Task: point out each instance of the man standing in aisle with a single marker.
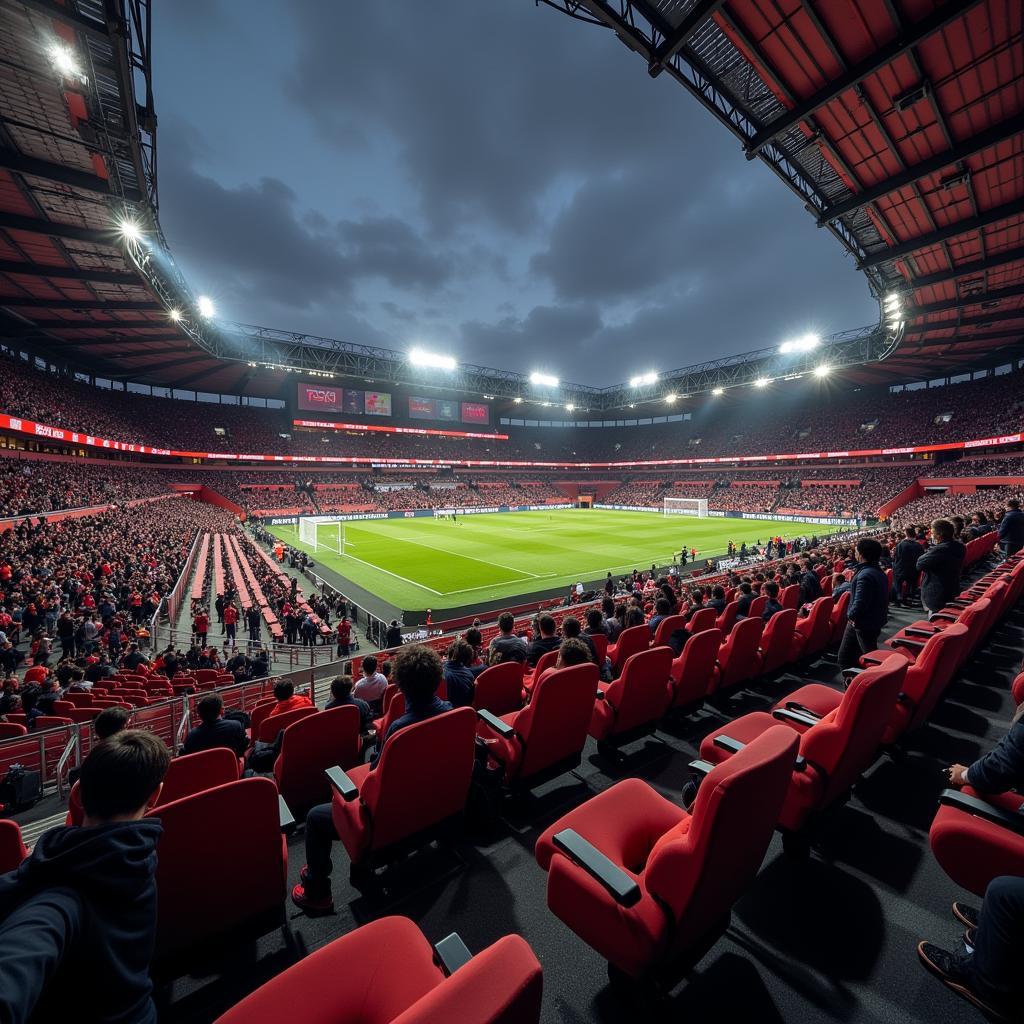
(230, 622)
(869, 605)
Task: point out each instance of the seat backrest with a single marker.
(544, 662)
(271, 726)
(928, 677)
(232, 831)
(700, 873)
(192, 773)
(12, 847)
(777, 639)
(640, 694)
(844, 743)
(422, 777)
(631, 640)
(9, 729)
(553, 726)
(310, 746)
(975, 617)
(757, 607)
(727, 619)
(838, 617)
(600, 642)
(693, 671)
(817, 626)
(703, 618)
(667, 627)
(82, 700)
(737, 656)
(260, 713)
(789, 597)
(499, 689)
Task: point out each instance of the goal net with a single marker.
(686, 507)
(322, 532)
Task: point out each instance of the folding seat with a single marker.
(650, 886)
(812, 633)
(694, 673)
(926, 679)
(52, 722)
(789, 597)
(11, 729)
(221, 869)
(634, 703)
(826, 586)
(344, 981)
(631, 641)
(17, 718)
(81, 700)
(974, 617)
(272, 725)
(62, 707)
(757, 607)
(418, 787)
(393, 703)
(727, 619)
(544, 662)
(309, 747)
(668, 625)
(547, 737)
(976, 838)
(206, 675)
(834, 750)
(776, 641)
(600, 642)
(499, 689)
(12, 848)
(81, 715)
(703, 618)
(738, 657)
(837, 620)
(1017, 689)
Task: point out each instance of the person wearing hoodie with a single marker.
(79, 914)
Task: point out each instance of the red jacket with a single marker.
(298, 701)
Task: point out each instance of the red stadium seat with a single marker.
(547, 737)
(309, 747)
(834, 749)
(224, 846)
(757, 607)
(789, 597)
(12, 847)
(727, 619)
(738, 658)
(695, 672)
(633, 704)
(419, 784)
(813, 633)
(499, 689)
(649, 886)
(501, 985)
(631, 641)
(703, 618)
(10, 729)
(544, 662)
(838, 617)
(668, 625)
(776, 644)
(273, 724)
(600, 642)
(393, 703)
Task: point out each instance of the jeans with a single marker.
(994, 969)
(231, 631)
(320, 836)
(856, 642)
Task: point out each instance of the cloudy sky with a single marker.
(481, 177)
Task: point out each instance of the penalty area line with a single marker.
(404, 579)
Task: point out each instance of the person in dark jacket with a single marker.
(904, 566)
(1011, 528)
(460, 673)
(417, 671)
(341, 696)
(810, 585)
(868, 610)
(773, 605)
(941, 565)
(393, 637)
(1001, 769)
(79, 915)
(214, 730)
(717, 599)
(547, 641)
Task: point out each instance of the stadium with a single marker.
(358, 681)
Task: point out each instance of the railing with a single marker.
(283, 657)
(171, 604)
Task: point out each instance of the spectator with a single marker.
(80, 913)
(941, 565)
(717, 601)
(341, 696)
(344, 632)
(1011, 528)
(230, 620)
(287, 699)
(904, 566)
(571, 630)
(868, 610)
(110, 721)
(393, 637)
(372, 684)
(547, 641)
(773, 605)
(418, 675)
(810, 585)
(506, 646)
(460, 674)
(214, 730)
(572, 652)
(998, 771)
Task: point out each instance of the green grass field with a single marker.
(428, 563)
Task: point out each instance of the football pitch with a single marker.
(434, 563)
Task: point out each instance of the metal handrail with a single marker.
(73, 746)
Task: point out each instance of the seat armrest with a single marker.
(623, 889)
(451, 953)
(958, 603)
(495, 723)
(918, 631)
(599, 695)
(852, 672)
(700, 768)
(785, 715)
(285, 816)
(343, 785)
(1013, 822)
(724, 742)
(902, 641)
(792, 705)
(871, 658)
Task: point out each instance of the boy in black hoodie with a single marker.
(79, 915)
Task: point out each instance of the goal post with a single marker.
(686, 507)
(322, 532)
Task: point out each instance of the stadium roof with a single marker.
(900, 126)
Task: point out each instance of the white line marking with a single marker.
(423, 586)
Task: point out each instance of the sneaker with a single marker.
(311, 905)
(947, 967)
(965, 914)
(971, 939)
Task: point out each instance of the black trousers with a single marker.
(994, 967)
(856, 642)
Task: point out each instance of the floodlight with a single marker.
(718, 391)
(174, 314)
(543, 379)
(643, 378)
(65, 61)
(892, 299)
(205, 306)
(822, 371)
(570, 407)
(130, 230)
(762, 382)
(418, 357)
(805, 344)
(517, 400)
(672, 397)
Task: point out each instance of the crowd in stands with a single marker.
(968, 466)
(929, 506)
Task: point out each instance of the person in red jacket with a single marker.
(344, 637)
(287, 699)
(201, 626)
(230, 621)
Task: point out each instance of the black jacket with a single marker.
(222, 733)
(941, 566)
(1011, 528)
(868, 609)
(89, 893)
(904, 559)
(1002, 768)
(810, 587)
(540, 647)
